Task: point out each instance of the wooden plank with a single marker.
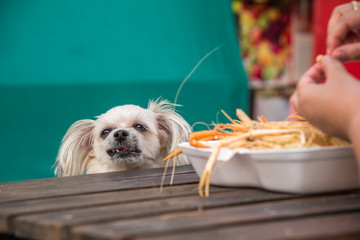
(8, 211)
(337, 226)
(219, 217)
(61, 189)
(99, 177)
(56, 225)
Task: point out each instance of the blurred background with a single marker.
(66, 60)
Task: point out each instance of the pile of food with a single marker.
(257, 135)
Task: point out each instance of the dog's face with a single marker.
(127, 136)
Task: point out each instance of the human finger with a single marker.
(305, 95)
(314, 74)
(348, 23)
(347, 52)
(337, 13)
(294, 100)
(332, 67)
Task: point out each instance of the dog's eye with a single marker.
(105, 132)
(140, 127)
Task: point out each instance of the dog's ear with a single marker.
(173, 128)
(76, 145)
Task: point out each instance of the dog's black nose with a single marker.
(121, 135)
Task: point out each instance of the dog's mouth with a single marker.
(122, 151)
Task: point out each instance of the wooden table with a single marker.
(129, 205)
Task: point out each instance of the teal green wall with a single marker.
(65, 60)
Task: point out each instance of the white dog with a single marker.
(124, 138)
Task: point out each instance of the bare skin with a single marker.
(333, 105)
(343, 34)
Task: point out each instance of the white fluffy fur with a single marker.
(84, 149)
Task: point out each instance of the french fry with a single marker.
(319, 58)
(262, 135)
(258, 135)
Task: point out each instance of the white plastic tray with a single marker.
(307, 170)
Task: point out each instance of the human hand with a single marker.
(331, 106)
(343, 35)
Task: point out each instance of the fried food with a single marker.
(258, 135)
